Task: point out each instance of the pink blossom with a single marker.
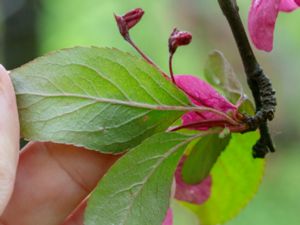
(203, 94)
(169, 218)
(196, 193)
(262, 19)
(289, 5)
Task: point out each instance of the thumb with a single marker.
(9, 138)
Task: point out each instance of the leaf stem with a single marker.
(171, 67)
(211, 123)
(95, 99)
(259, 83)
(144, 56)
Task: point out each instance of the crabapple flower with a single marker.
(262, 19)
(192, 193)
(203, 94)
(200, 94)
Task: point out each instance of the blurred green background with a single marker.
(30, 28)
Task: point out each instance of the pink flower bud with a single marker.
(133, 17)
(192, 193)
(178, 38)
(129, 20)
(122, 25)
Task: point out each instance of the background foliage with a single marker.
(48, 25)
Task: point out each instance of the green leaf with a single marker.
(136, 190)
(203, 157)
(236, 177)
(99, 98)
(183, 215)
(219, 73)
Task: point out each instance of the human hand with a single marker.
(52, 180)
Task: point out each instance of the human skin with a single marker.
(44, 183)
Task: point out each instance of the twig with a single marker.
(259, 83)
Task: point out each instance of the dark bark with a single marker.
(259, 83)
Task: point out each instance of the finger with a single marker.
(52, 179)
(9, 138)
(76, 218)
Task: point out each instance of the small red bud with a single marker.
(122, 25)
(178, 38)
(128, 20)
(133, 17)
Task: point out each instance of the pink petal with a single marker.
(169, 218)
(197, 193)
(192, 117)
(202, 94)
(261, 23)
(289, 5)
